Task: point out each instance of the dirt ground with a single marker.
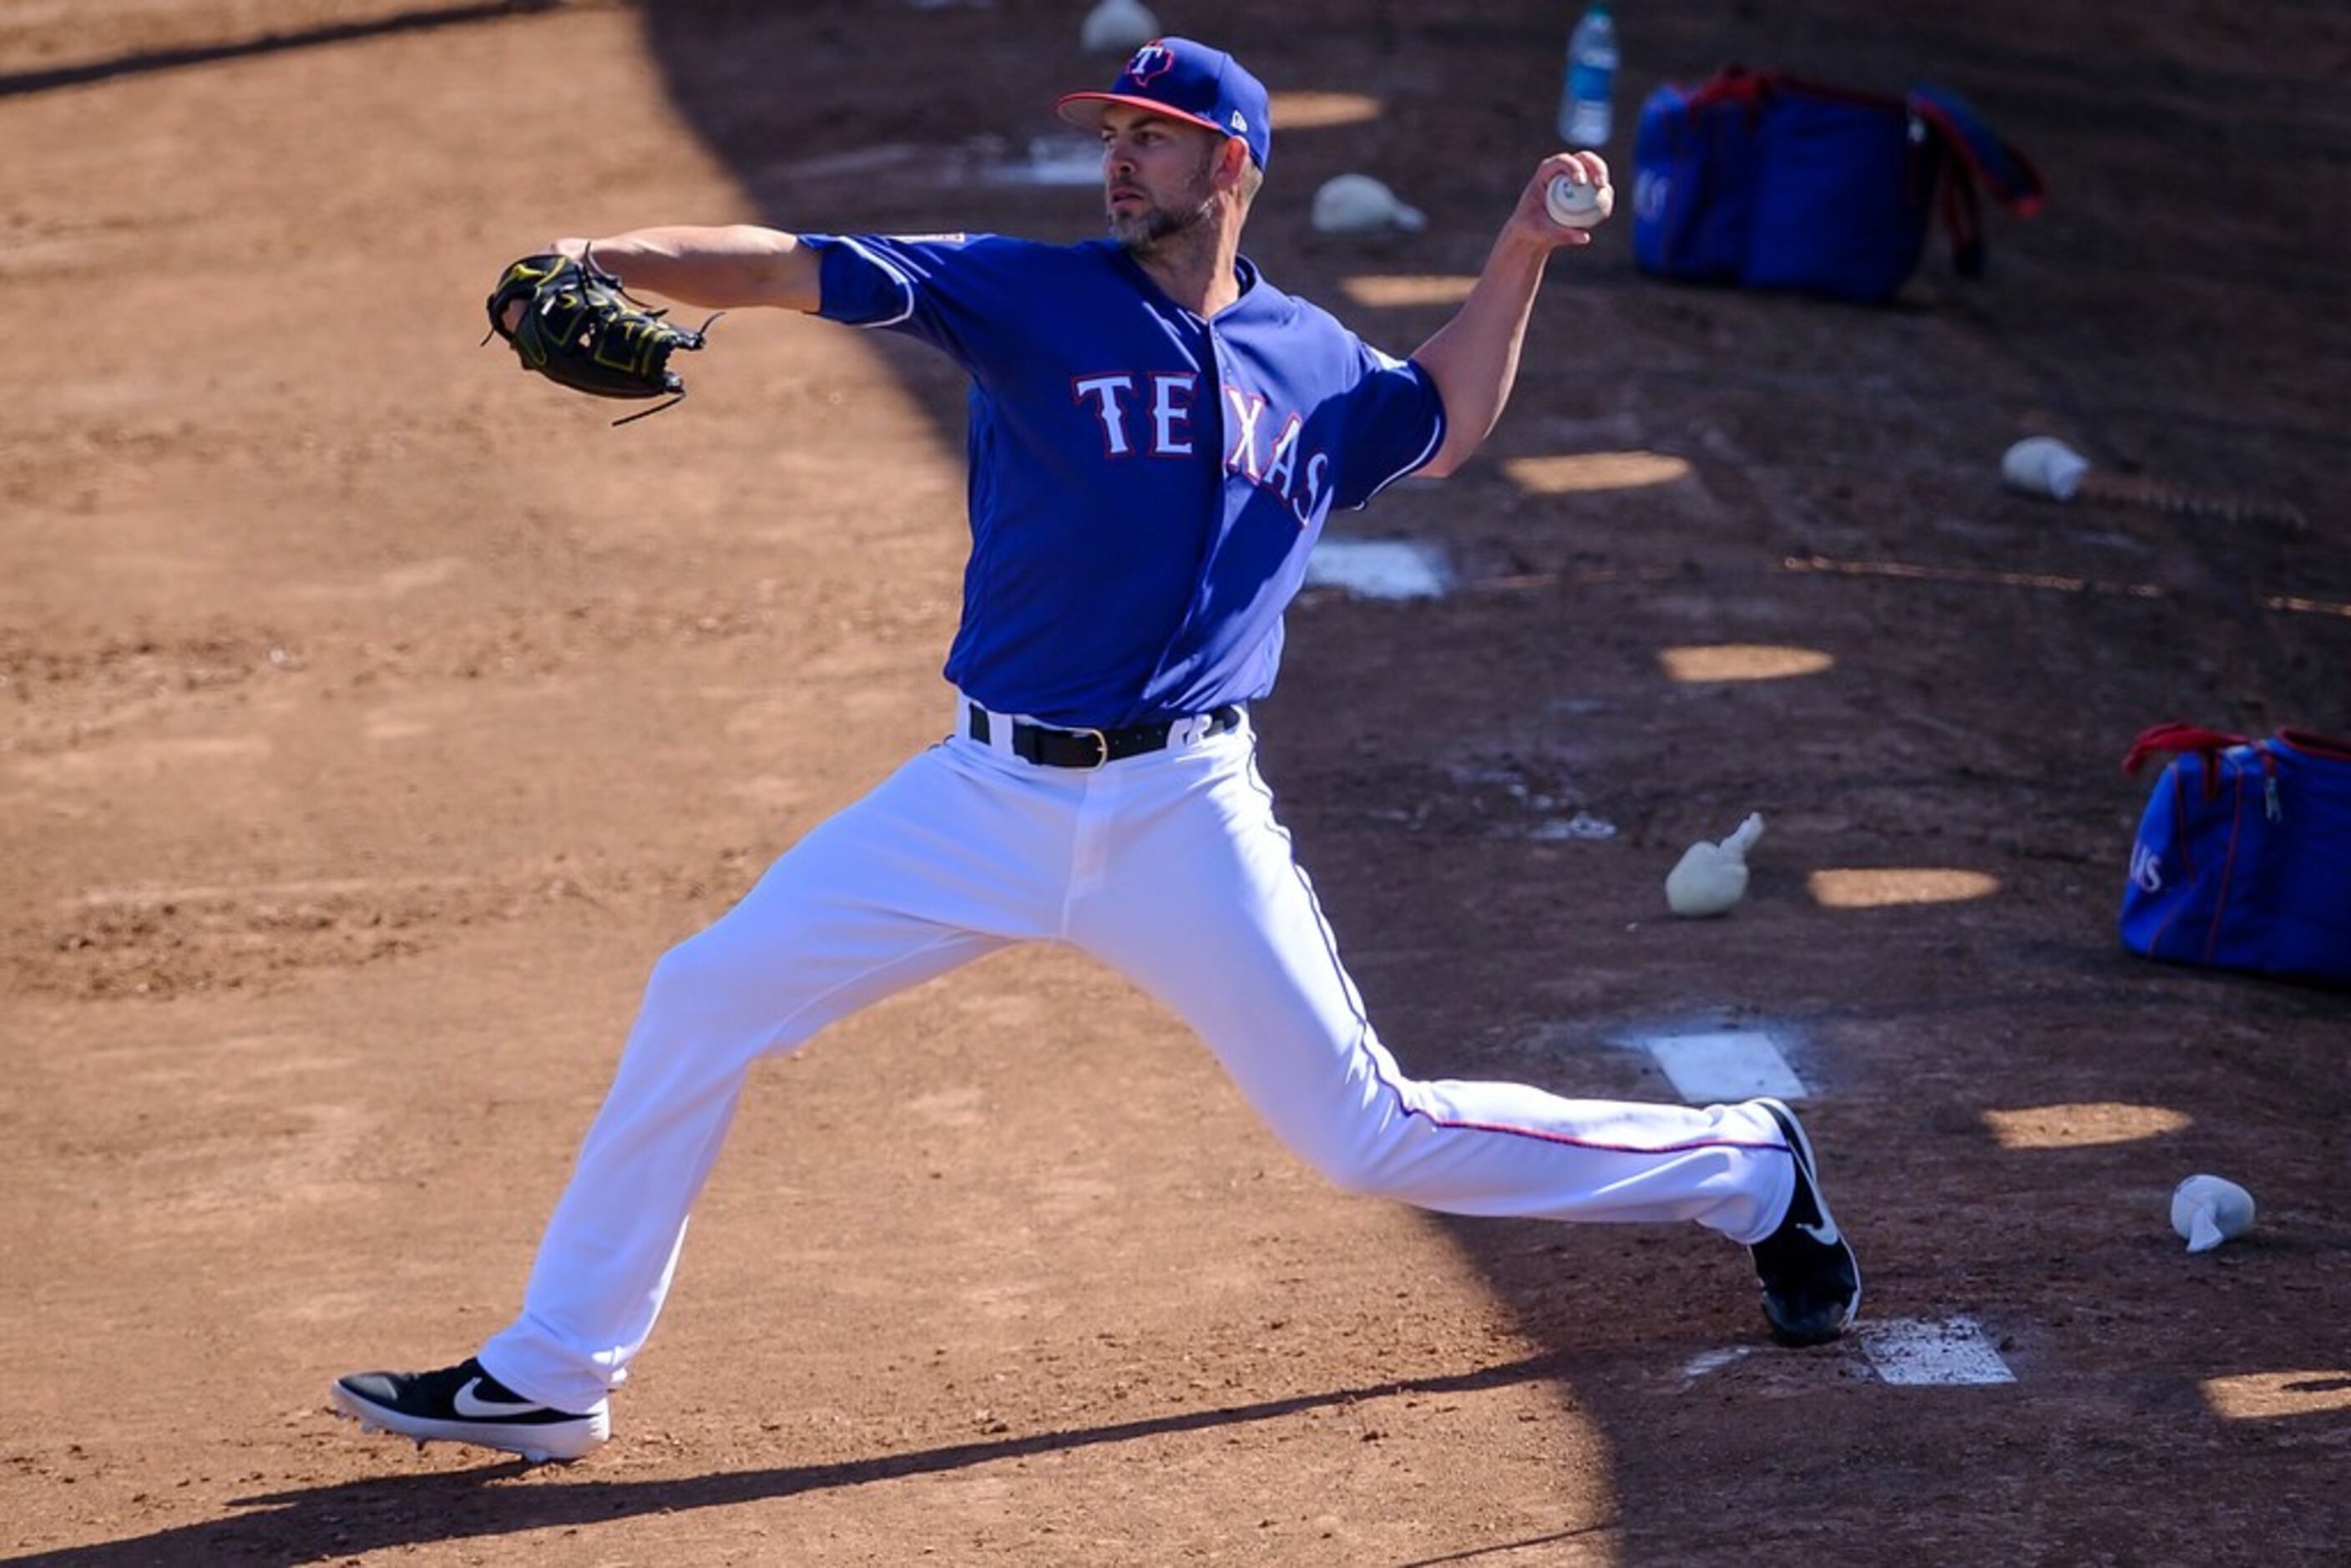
(372, 715)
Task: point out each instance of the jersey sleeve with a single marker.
(947, 290)
(1395, 423)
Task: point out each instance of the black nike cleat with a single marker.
(1811, 1285)
(463, 1403)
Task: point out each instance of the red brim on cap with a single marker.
(1085, 109)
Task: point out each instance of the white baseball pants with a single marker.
(1169, 867)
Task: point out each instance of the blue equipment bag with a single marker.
(2243, 854)
(1759, 179)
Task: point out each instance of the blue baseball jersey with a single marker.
(1144, 484)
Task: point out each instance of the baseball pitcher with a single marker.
(1158, 436)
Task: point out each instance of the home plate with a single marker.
(1916, 1353)
(1715, 1069)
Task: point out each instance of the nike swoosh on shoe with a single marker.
(469, 1405)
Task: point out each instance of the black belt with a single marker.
(1049, 747)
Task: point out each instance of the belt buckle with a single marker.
(1099, 740)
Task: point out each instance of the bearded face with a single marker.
(1158, 176)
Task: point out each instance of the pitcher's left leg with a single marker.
(1211, 914)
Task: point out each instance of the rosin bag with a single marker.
(2243, 854)
(1763, 179)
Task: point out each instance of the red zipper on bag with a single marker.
(2227, 870)
(2180, 822)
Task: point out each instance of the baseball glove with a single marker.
(579, 329)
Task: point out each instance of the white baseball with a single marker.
(1573, 204)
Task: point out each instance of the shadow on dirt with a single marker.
(2004, 707)
(327, 1523)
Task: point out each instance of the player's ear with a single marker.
(1232, 163)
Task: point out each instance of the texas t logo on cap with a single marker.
(1186, 81)
(1154, 59)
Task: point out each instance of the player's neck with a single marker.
(1198, 267)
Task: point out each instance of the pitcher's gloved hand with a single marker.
(571, 322)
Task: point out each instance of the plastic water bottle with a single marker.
(1586, 98)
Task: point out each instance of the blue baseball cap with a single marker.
(1186, 81)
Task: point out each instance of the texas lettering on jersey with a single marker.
(1146, 483)
(1150, 414)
